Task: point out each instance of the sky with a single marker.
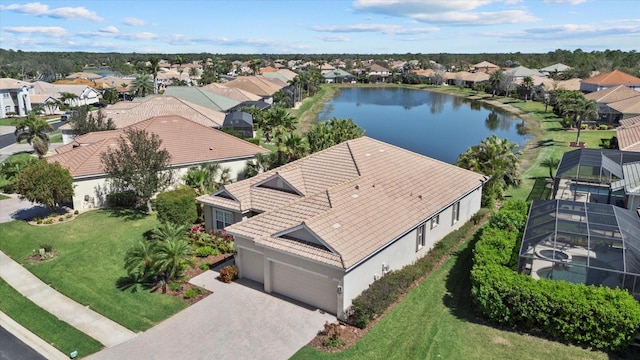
(314, 27)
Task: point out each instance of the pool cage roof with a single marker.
(606, 235)
(602, 166)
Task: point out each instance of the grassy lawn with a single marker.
(7, 122)
(91, 250)
(436, 320)
(55, 137)
(61, 335)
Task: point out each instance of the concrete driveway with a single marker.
(16, 209)
(237, 321)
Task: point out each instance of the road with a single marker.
(14, 349)
(9, 139)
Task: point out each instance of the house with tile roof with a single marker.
(14, 97)
(339, 76)
(238, 95)
(189, 144)
(628, 134)
(610, 79)
(202, 97)
(485, 67)
(554, 69)
(260, 85)
(126, 113)
(613, 95)
(321, 229)
(378, 73)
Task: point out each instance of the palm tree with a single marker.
(142, 85)
(496, 80)
(68, 98)
(154, 68)
(585, 110)
(138, 259)
(260, 164)
(255, 65)
(319, 137)
(33, 129)
(293, 147)
(169, 231)
(551, 163)
(170, 257)
(527, 84)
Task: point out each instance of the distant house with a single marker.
(485, 67)
(339, 76)
(189, 144)
(521, 72)
(201, 96)
(260, 85)
(321, 229)
(14, 97)
(240, 121)
(465, 78)
(378, 73)
(84, 94)
(610, 79)
(235, 94)
(554, 69)
(614, 95)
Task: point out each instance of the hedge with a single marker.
(177, 206)
(600, 317)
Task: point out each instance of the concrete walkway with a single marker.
(81, 317)
(237, 321)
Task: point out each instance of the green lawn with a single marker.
(436, 320)
(7, 122)
(58, 333)
(55, 137)
(91, 250)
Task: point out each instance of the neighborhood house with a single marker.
(321, 229)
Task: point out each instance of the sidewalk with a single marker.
(81, 317)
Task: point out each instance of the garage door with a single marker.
(252, 264)
(304, 286)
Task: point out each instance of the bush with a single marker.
(68, 216)
(46, 247)
(583, 126)
(48, 221)
(599, 317)
(332, 331)
(190, 293)
(206, 250)
(177, 206)
(603, 127)
(228, 273)
(204, 266)
(124, 200)
(76, 212)
(175, 286)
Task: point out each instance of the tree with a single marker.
(51, 106)
(292, 147)
(68, 98)
(277, 117)
(44, 183)
(110, 96)
(527, 85)
(84, 122)
(496, 79)
(207, 178)
(154, 68)
(551, 163)
(258, 165)
(255, 65)
(138, 163)
(34, 129)
(496, 158)
(332, 132)
(142, 85)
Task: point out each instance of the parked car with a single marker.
(68, 115)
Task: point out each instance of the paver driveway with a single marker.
(237, 321)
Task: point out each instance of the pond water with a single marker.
(437, 125)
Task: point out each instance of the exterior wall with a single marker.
(7, 102)
(403, 251)
(90, 193)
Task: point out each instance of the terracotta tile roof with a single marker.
(629, 134)
(570, 84)
(356, 196)
(615, 77)
(628, 106)
(613, 94)
(258, 85)
(485, 64)
(9, 83)
(186, 141)
(232, 93)
(84, 75)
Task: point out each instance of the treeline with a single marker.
(29, 64)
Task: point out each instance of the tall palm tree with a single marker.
(142, 85)
(496, 79)
(68, 98)
(550, 163)
(34, 129)
(294, 147)
(585, 110)
(527, 84)
(319, 137)
(154, 68)
(255, 65)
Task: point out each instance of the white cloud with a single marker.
(39, 9)
(570, 31)
(110, 30)
(379, 28)
(133, 21)
(53, 31)
(572, 2)
(447, 11)
(334, 38)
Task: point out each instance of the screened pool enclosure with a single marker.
(588, 243)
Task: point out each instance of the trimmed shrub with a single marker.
(177, 206)
(190, 293)
(124, 200)
(228, 273)
(600, 317)
(206, 250)
(204, 266)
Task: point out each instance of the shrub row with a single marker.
(599, 317)
(124, 200)
(386, 290)
(177, 206)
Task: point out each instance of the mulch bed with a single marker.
(351, 334)
(212, 260)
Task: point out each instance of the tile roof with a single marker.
(629, 134)
(559, 67)
(615, 77)
(613, 94)
(258, 85)
(186, 141)
(356, 196)
(231, 93)
(202, 97)
(9, 83)
(628, 106)
(570, 84)
(84, 75)
(485, 64)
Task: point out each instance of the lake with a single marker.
(437, 125)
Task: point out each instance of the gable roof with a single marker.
(231, 93)
(615, 77)
(613, 94)
(336, 73)
(238, 119)
(340, 192)
(627, 106)
(629, 134)
(258, 85)
(555, 68)
(202, 97)
(378, 68)
(187, 142)
(522, 71)
(9, 83)
(485, 64)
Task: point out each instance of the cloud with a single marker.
(446, 12)
(570, 31)
(38, 9)
(110, 30)
(378, 28)
(53, 31)
(572, 2)
(334, 38)
(133, 21)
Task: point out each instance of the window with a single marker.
(420, 237)
(223, 219)
(435, 221)
(456, 213)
